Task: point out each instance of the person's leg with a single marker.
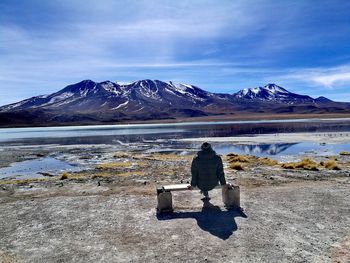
(206, 196)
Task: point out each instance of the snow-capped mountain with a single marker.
(273, 92)
(89, 102)
(89, 96)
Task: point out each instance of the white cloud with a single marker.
(331, 77)
(198, 41)
(331, 80)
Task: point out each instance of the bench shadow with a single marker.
(220, 223)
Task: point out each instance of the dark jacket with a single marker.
(207, 170)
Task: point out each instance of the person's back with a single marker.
(207, 170)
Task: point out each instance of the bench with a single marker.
(230, 196)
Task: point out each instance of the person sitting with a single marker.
(207, 170)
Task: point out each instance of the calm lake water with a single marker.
(34, 168)
(108, 134)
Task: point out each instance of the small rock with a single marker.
(46, 174)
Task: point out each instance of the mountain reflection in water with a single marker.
(271, 149)
(282, 149)
(256, 149)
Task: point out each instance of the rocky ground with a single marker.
(107, 213)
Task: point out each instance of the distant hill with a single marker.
(89, 102)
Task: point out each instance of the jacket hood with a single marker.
(208, 153)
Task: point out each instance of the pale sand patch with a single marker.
(319, 137)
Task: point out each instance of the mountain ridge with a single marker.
(89, 101)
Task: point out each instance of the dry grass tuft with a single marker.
(104, 173)
(120, 155)
(236, 166)
(344, 153)
(167, 157)
(114, 165)
(330, 164)
(306, 164)
(24, 181)
(238, 158)
(288, 165)
(268, 161)
(65, 176)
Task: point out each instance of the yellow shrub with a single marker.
(236, 166)
(238, 158)
(231, 154)
(344, 153)
(268, 161)
(306, 164)
(288, 165)
(64, 176)
(330, 164)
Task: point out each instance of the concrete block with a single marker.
(231, 197)
(165, 202)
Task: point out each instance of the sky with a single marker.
(219, 46)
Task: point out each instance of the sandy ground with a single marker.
(108, 214)
(298, 222)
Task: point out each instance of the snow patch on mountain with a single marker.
(273, 88)
(186, 90)
(60, 97)
(121, 105)
(112, 88)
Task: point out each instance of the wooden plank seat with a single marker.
(230, 196)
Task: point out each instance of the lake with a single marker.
(108, 134)
(165, 138)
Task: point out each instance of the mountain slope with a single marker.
(88, 95)
(100, 102)
(273, 92)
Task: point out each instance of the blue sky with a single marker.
(220, 46)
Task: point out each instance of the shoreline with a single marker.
(214, 118)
